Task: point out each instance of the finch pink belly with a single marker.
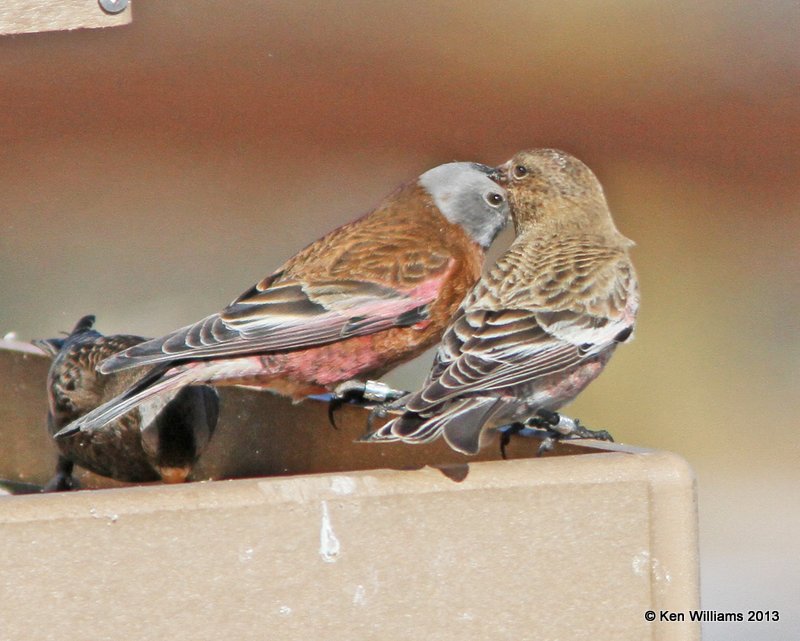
(552, 392)
(303, 372)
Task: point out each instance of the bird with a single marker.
(367, 296)
(540, 325)
(161, 439)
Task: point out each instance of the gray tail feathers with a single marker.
(158, 381)
(461, 423)
(463, 430)
(146, 353)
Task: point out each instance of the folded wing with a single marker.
(288, 315)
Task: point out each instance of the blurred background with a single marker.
(151, 173)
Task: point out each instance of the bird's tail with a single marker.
(159, 380)
(461, 423)
(52, 346)
(84, 324)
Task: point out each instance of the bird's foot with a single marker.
(584, 432)
(395, 405)
(62, 483)
(361, 393)
(547, 444)
(506, 434)
(563, 427)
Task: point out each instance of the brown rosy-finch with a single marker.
(159, 440)
(541, 324)
(364, 298)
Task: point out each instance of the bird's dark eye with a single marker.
(494, 199)
(520, 171)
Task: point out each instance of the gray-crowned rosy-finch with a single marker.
(541, 324)
(159, 440)
(364, 298)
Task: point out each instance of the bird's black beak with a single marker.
(502, 173)
(492, 172)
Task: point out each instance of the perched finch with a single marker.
(364, 298)
(159, 440)
(541, 324)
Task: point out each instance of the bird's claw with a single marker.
(62, 483)
(344, 393)
(505, 437)
(379, 411)
(584, 432)
(547, 445)
(565, 427)
(556, 427)
(362, 393)
(395, 405)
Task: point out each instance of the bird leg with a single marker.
(506, 434)
(63, 480)
(556, 427)
(396, 405)
(547, 444)
(565, 427)
(361, 393)
(584, 432)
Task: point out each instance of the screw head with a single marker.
(113, 6)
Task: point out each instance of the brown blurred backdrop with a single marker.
(151, 173)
